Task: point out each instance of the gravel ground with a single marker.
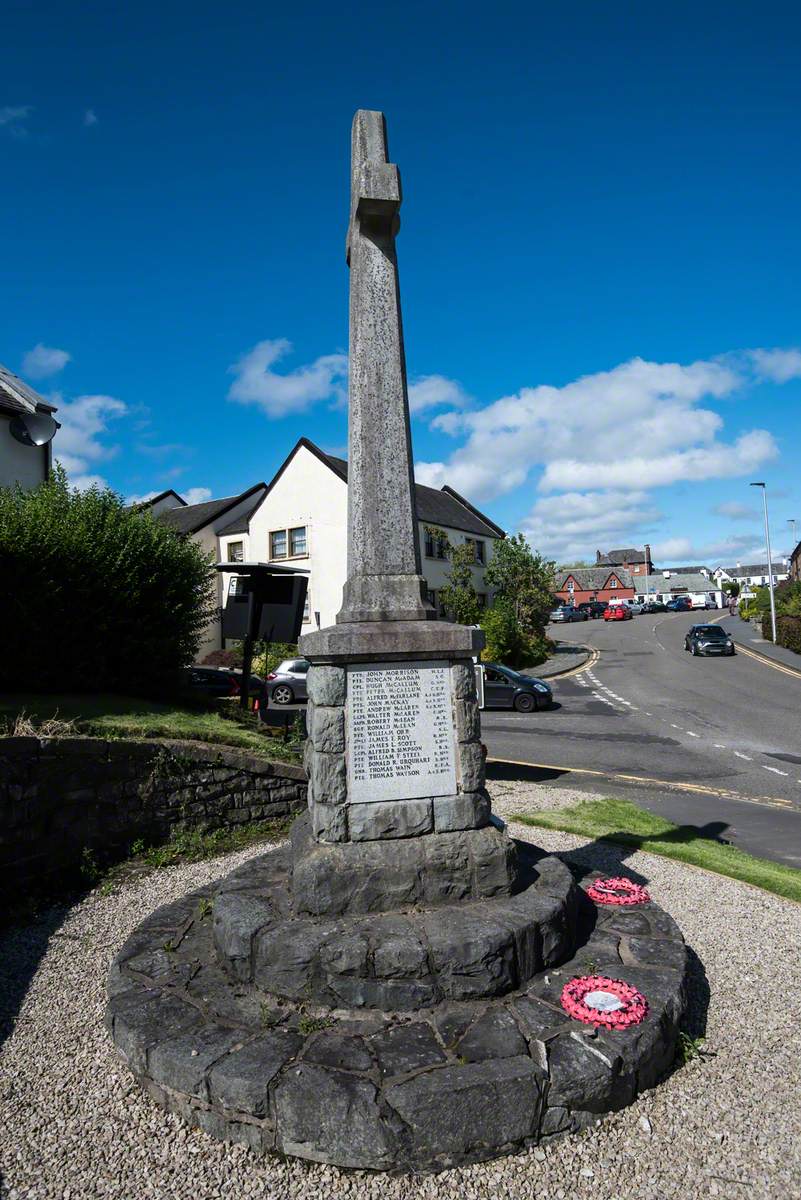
(75, 1125)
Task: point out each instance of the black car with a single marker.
(708, 639)
(652, 606)
(217, 682)
(593, 608)
(505, 688)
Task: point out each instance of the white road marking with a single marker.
(691, 734)
(672, 726)
(737, 754)
(775, 770)
(719, 746)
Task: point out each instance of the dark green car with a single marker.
(708, 639)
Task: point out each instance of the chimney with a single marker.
(597, 556)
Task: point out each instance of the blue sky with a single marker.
(600, 250)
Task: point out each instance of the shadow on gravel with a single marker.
(517, 772)
(22, 948)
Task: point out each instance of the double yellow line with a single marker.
(651, 781)
(768, 662)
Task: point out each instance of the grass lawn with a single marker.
(111, 716)
(622, 822)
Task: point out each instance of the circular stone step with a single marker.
(456, 1082)
(393, 961)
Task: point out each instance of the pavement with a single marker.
(711, 742)
(565, 657)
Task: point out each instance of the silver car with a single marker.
(568, 612)
(287, 683)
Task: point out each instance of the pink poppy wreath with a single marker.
(609, 1003)
(617, 891)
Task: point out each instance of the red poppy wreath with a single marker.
(609, 1003)
(617, 891)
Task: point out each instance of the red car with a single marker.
(617, 612)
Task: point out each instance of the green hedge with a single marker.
(788, 632)
(96, 596)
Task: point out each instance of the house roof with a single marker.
(193, 517)
(17, 397)
(438, 506)
(155, 499)
(591, 579)
(687, 570)
(241, 523)
(617, 557)
(675, 582)
(779, 568)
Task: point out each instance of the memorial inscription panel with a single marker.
(400, 738)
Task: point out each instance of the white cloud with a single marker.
(89, 117)
(779, 366)
(436, 391)
(143, 499)
(43, 361)
(13, 119)
(77, 445)
(295, 391)
(196, 495)
(716, 552)
(736, 511)
(575, 524)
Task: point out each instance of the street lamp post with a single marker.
(770, 564)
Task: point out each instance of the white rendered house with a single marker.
(300, 519)
(23, 462)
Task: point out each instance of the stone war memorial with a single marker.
(402, 986)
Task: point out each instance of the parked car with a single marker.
(219, 682)
(708, 639)
(702, 602)
(593, 608)
(617, 612)
(287, 683)
(567, 612)
(505, 688)
(634, 606)
(679, 604)
(654, 606)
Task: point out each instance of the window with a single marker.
(236, 551)
(429, 544)
(289, 543)
(442, 547)
(482, 599)
(479, 550)
(613, 583)
(297, 541)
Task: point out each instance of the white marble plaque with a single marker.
(400, 738)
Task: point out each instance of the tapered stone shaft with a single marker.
(384, 577)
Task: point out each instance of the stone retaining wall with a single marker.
(61, 797)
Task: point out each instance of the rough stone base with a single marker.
(382, 876)
(453, 1082)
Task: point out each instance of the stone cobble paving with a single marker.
(75, 1123)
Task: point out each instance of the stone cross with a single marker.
(384, 582)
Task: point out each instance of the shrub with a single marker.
(506, 642)
(788, 632)
(98, 597)
(223, 658)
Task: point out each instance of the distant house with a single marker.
(636, 562)
(300, 518)
(751, 575)
(204, 523)
(20, 461)
(696, 570)
(794, 568)
(575, 585)
(668, 585)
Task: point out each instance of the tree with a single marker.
(523, 580)
(458, 596)
(104, 597)
(731, 587)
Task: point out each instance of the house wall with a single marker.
(308, 493)
(582, 595)
(207, 538)
(436, 570)
(25, 465)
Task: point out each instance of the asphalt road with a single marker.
(712, 742)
